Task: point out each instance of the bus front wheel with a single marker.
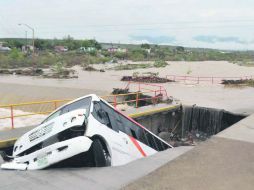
(100, 154)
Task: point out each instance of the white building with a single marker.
(87, 49)
(4, 48)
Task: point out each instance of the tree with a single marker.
(15, 43)
(145, 46)
(91, 43)
(180, 49)
(69, 42)
(120, 55)
(160, 54)
(43, 44)
(138, 55)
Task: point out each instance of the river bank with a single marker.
(16, 89)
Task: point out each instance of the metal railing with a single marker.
(55, 104)
(156, 93)
(199, 79)
(156, 88)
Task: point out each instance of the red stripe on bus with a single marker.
(135, 142)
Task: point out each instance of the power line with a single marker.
(83, 29)
(163, 23)
(137, 27)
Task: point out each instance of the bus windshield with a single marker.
(84, 103)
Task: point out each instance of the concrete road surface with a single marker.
(225, 162)
(86, 178)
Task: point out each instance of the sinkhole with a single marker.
(188, 125)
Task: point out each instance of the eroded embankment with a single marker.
(189, 124)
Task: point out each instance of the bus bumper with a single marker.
(50, 155)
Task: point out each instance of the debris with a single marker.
(131, 66)
(25, 71)
(62, 74)
(90, 68)
(120, 91)
(244, 82)
(148, 79)
(166, 136)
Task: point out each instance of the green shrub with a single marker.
(59, 67)
(160, 63)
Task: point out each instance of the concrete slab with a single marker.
(225, 162)
(218, 164)
(243, 130)
(14, 133)
(9, 137)
(87, 178)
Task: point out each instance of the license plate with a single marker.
(42, 161)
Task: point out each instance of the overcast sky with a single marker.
(224, 24)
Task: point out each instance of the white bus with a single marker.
(87, 130)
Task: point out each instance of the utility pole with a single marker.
(32, 31)
(26, 39)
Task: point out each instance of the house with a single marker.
(148, 50)
(26, 48)
(60, 49)
(4, 48)
(114, 50)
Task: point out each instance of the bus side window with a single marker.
(115, 118)
(165, 146)
(151, 140)
(142, 137)
(158, 143)
(133, 134)
(133, 129)
(96, 108)
(127, 125)
(100, 114)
